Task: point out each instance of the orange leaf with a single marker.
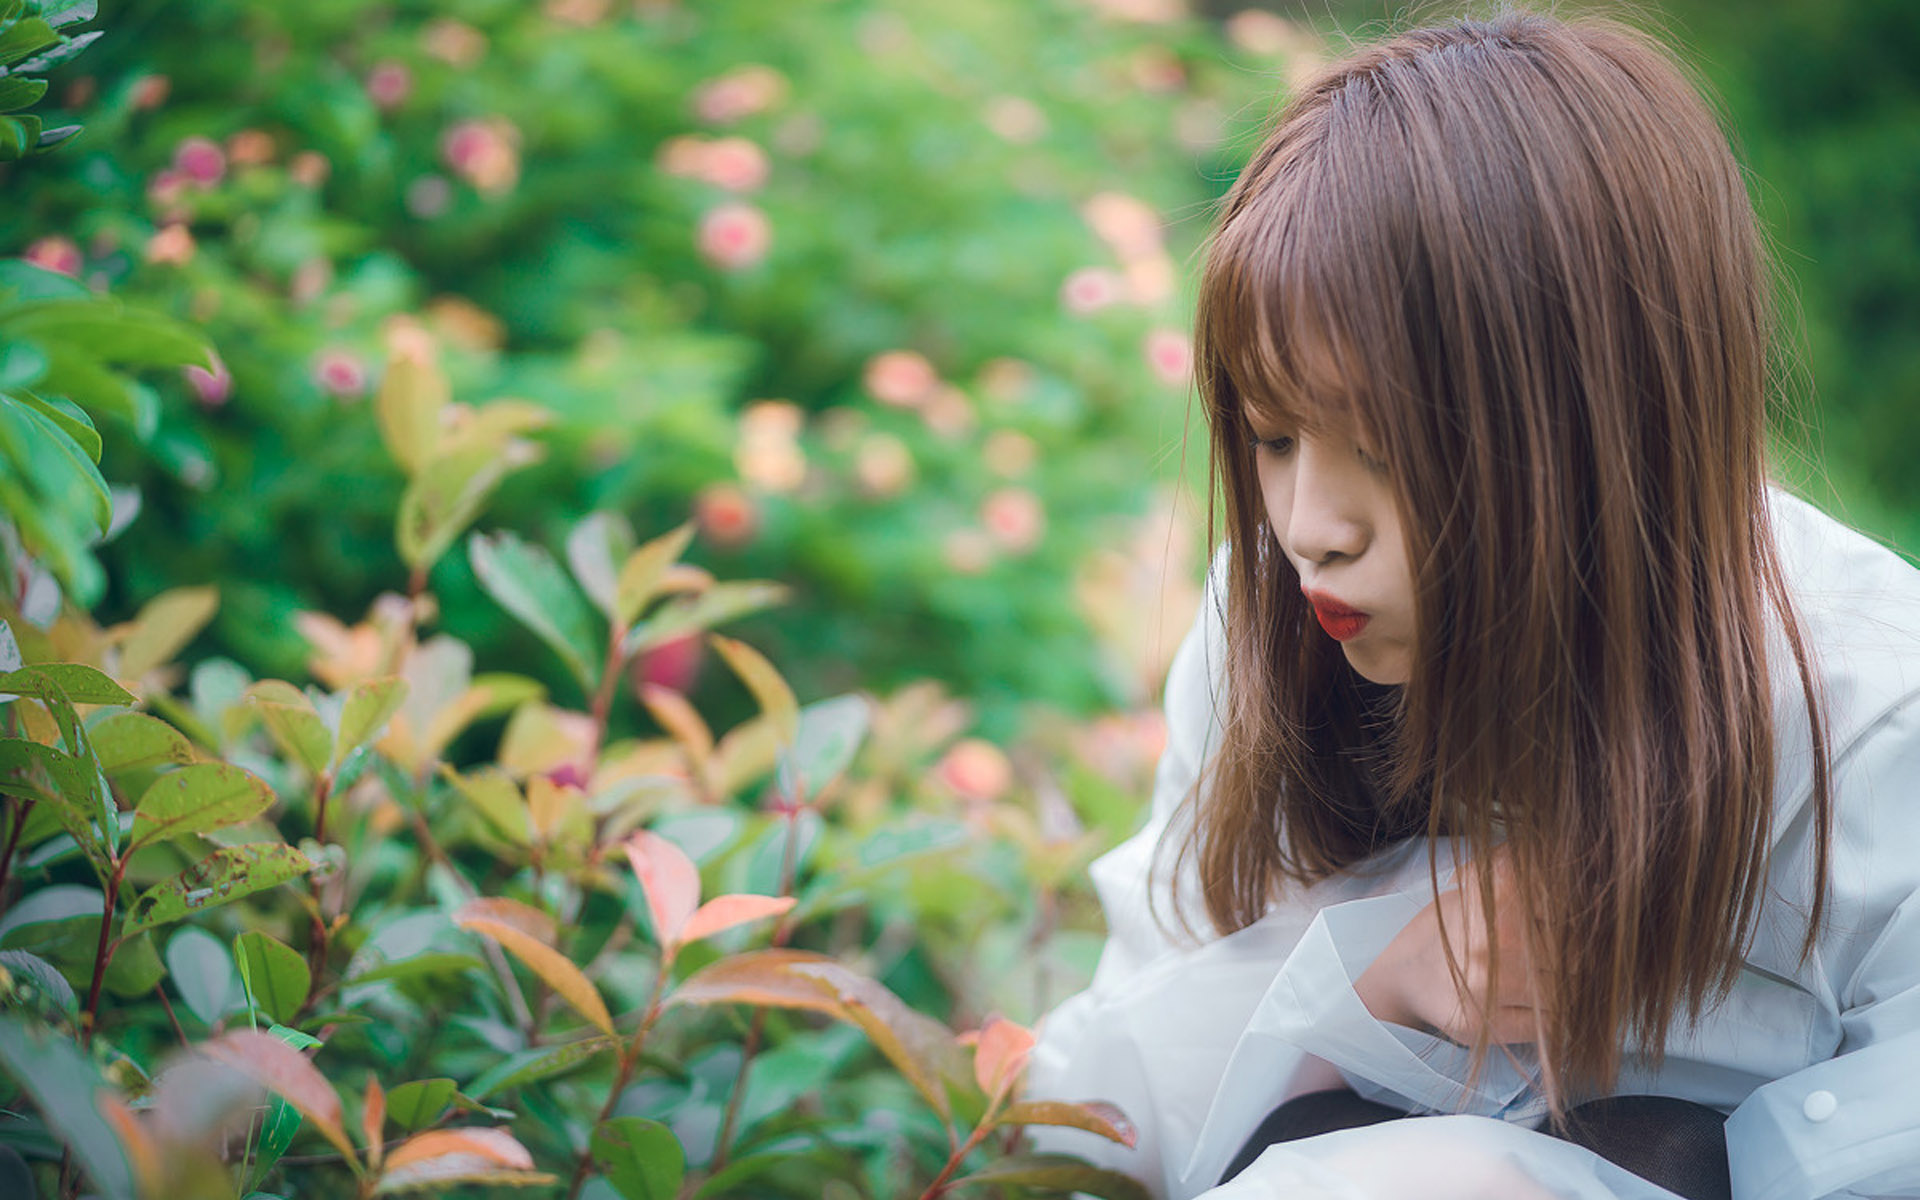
(524, 917)
(920, 1048)
(1000, 1054)
(670, 880)
(373, 1120)
(681, 720)
(548, 804)
(553, 967)
(496, 1146)
(280, 1068)
(1094, 1116)
(724, 912)
(769, 690)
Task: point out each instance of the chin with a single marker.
(1389, 670)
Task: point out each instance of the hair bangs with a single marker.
(1290, 318)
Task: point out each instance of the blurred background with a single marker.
(890, 298)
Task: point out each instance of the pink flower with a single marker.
(173, 246)
(201, 160)
(726, 515)
(340, 374)
(967, 551)
(309, 168)
(736, 164)
(1016, 119)
(1009, 453)
(673, 664)
(741, 92)
(150, 91)
(902, 378)
(1170, 355)
(250, 148)
(1015, 518)
(55, 253)
(734, 236)
(484, 153)
(310, 279)
(1125, 223)
(165, 190)
(389, 84)
(210, 387)
(883, 465)
(1089, 290)
(976, 769)
(454, 42)
(947, 411)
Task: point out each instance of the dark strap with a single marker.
(1675, 1143)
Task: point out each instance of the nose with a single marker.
(1325, 519)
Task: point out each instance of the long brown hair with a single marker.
(1519, 253)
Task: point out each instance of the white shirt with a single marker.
(1818, 1060)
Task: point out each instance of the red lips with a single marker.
(1340, 621)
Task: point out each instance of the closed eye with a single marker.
(1274, 445)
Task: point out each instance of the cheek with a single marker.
(1276, 496)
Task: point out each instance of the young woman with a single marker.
(1530, 753)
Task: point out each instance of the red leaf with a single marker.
(999, 1055)
(280, 1068)
(670, 880)
(724, 912)
(1094, 1116)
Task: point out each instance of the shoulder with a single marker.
(1858, 606)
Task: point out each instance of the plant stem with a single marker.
(322, 789)
(603, 695)
(160, 990)
(938, 1187)
(629, 1058)
(24, 807)
(522, 1015)
(781, 932)
(102, 953)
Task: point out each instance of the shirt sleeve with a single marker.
(1850, 1125)
(1314, 1006)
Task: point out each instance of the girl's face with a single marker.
(1331, 504)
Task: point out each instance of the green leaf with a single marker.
(419, 964)
(276, 1134)
(368, 707)
(20, 93)
(202, 973)
(69, 417)
(65, 1087)
(640, 1158)
(21, 365)
(9, 649)
(109, 333)
(595, 548)
(62, 786)
(641, 574)
(830, 733)
(58, 466)
(531, 1066)
(226, 875)
(24, 38)
(78, 684)
(61, 13)
(530, 585)
(273, 973)
(37, 983)
(295, 726)
(1059, 1173)
(692, 614)
(443, 499)
(414, 1106)
(17, 137)
(130, 741)
(412, 395)
(196, 799)
(135, 969)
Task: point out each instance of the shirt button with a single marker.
(1819, 1106)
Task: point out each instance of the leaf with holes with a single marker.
(196, 799)
(226, 875)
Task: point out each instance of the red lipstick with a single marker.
(1340, 621)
